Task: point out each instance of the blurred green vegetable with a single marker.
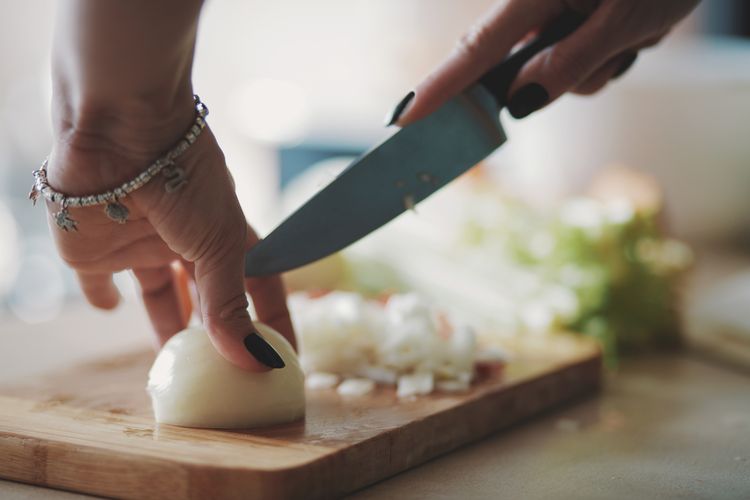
(611, 264)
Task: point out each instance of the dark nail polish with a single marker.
(262, 351)
(626, 64)
(527, 99)
(399, 109)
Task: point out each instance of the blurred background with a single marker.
(291, 84)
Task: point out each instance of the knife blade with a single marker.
(403, 170)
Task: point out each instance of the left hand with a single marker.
(199, 229)
(122, 96)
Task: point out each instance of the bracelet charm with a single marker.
(117, 212)
(63, 220)
(113, 208)
(175, 178)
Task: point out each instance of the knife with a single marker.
(403, 170)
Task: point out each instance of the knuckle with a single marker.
(231, 312)
(589, 88)
(71, 261)
(475, 41)
(216, 244)
(79, 263)
(79, 255)
(567, 68)
(652, 41)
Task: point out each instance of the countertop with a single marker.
(665, 426)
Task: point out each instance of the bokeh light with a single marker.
(39, 293)
(9, 252)
(271, 111)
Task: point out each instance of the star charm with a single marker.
(64, 222)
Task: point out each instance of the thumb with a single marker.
(219, 279)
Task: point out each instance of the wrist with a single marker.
(100, 142)
(137, 123)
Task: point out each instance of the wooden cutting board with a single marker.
(90, 429)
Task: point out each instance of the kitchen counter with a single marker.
(666, 426)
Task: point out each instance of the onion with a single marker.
(402, 342)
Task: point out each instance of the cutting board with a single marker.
(90, 429)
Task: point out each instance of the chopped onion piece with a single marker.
(409, 202)
(416, 384)
(490, 355)
(452, 385)
(356, 387)
(379, 374)
(321, 380)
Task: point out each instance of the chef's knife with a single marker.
(403, 170)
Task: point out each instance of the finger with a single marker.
(164, 304)
(182, 285)
(651, 41)
(484, 46)
(189, 268)
(269, 298)
(565, 65)
(219, 278)
(193, 295)
(613, 69)
(99, 289)
(231, 180)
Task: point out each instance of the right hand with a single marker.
(601, 49)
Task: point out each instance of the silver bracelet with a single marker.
(175, 179)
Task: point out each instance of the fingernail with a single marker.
(262, 351)
(394, 115)
(527, 99)
(626, 64)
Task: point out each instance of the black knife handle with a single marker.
(498, 79)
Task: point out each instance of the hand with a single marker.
(603, 48)
(200, 227)
(122, 96)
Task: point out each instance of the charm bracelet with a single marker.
(175, 179)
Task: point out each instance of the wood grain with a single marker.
(90, 429)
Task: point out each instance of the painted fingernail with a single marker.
(262, 351)
(626, 64)
(527, 99)
(394, 115)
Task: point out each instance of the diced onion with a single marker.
(490, 355)
(452, 386)
(321, 380)
(417, 384)
(356, 387)
(379, 374)
(403, 342)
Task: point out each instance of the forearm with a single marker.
(121, 72)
